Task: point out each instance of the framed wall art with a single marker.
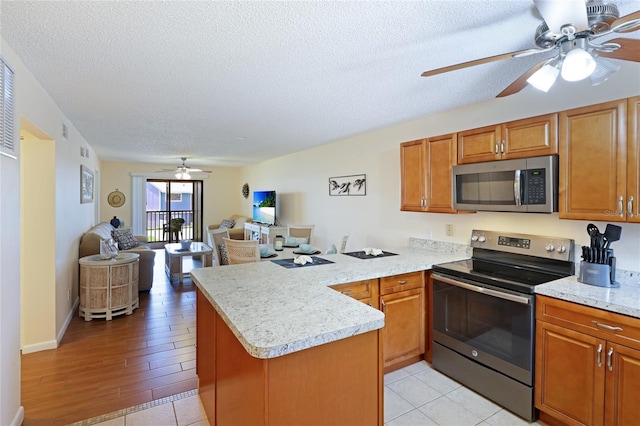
(86, 185)
(348, 185)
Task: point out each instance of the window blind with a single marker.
(7, 127)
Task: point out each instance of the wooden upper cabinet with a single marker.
(529, 137)
(479, 145)
(412, 176)
(593, 162)
(426, 168)
(633, 160)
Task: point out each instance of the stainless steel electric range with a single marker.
(484, 313)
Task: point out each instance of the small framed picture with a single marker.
(86, 185)
(348, 185)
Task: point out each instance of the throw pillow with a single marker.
(224, 259)
(124, 238)
(294, 241)
(227, 223)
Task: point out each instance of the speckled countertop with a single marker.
(275, 311)
(623, 300)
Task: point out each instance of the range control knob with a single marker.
(482, 239)
(549, 247)
(561, 249)
(474, 238)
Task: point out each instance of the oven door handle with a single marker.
(484, 290)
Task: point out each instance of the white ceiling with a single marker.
(237, 82)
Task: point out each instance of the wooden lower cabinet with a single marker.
(365, 291)
(402, 299)
(584, 375)
(338, 383)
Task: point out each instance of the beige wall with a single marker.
(301, 179)
(221, 199)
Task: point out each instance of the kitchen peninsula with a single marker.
(278, 346)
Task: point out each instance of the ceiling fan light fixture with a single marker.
(544, 78)
(605, 68)
(186, 176)
(577, 65)
(178, 175)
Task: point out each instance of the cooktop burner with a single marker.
(517, 262)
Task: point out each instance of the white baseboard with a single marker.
(19, 417)
(53, 344)
(67, 321)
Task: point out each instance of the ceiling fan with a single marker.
(571, 28)
(183, 171)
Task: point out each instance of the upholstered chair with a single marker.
(242, 251)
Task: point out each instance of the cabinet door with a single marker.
(530, 137)
(623, 386)
(593, 173)
(441, 156)
(570, 375)
(365, 291)
(478, 145)
(633, 161)
(403, 334)
(412, 176)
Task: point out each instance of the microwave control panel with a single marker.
(536, 187)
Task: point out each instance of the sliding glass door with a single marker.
(174, 210)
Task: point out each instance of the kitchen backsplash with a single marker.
(440, 246)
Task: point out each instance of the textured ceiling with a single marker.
(236, 82)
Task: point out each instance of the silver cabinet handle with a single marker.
(599, 355)
(383, 306)
(630, 206)
(402, 281)
(608, 327)
(621, 206)
(496, 148)
(501, 147)
(346, 292)
(610, 359)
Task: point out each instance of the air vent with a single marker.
(65, 132)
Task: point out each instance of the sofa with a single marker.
(237, 231)
(90, 245)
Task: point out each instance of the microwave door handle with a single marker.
(517, 188)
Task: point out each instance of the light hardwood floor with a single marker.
(104, 366)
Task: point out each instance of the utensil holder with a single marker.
(596, 274)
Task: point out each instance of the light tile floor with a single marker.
(416, 395)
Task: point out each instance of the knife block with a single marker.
(597, 274)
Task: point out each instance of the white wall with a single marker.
(301, 179)
(37, 114)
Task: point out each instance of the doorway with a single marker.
(173, 210)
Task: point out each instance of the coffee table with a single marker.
(173, 254)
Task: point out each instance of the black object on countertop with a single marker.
(288, 263)
(363, 255)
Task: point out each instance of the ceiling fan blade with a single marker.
(557, 13)
(629, 50)
(627, 23)
(521, 82)
(486, 60)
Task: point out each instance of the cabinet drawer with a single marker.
(358, 290)
(401, 282)
(607, 325)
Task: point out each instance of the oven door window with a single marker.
(501, 328)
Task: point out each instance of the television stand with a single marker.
(265, 234)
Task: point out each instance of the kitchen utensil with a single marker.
(612, 233)
(612, 265)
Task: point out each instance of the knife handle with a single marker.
(612, 265)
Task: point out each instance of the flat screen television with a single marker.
(264, 207)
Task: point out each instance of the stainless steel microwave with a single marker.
(527, 185)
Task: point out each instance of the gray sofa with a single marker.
(90, 245)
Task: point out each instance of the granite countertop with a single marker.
(275, 311)
(623, 300)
